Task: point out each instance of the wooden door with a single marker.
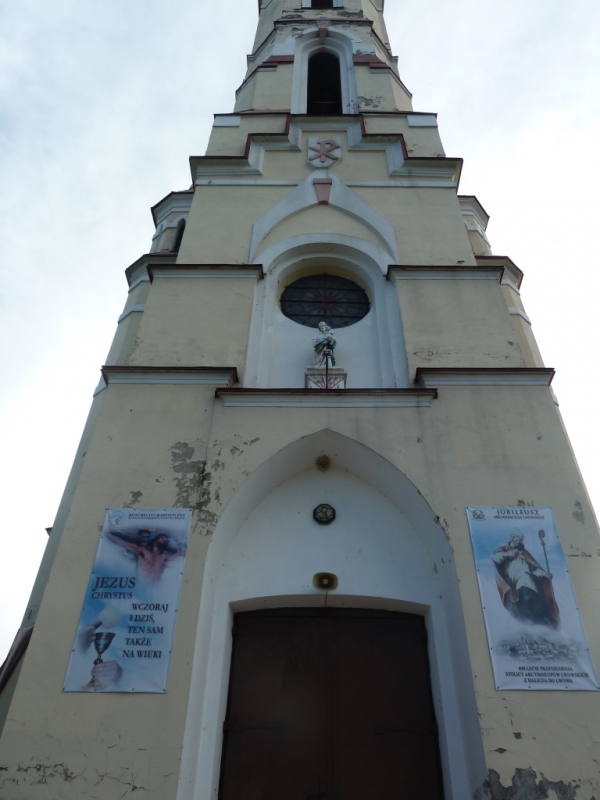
(330, 704)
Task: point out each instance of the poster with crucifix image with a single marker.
(534, 628)
(125, 633)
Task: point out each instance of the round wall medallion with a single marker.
(324, 514)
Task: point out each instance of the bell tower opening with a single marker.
(179, 236)
(324, 89)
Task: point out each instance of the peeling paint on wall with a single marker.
(578, 514)
(524, 786)
(371, 102)
(189, 474)
(134, 499)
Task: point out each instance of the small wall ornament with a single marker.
(324, 514)
(323, 153)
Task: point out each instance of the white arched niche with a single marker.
(339, 45)
(388, 551)
(371, 351)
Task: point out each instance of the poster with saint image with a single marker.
(534, 627)
(125, 633)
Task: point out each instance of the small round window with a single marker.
(325, 298)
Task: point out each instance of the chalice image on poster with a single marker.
(124, 638)
(102, 642)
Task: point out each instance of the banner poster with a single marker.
(125, 633)
(534, 628)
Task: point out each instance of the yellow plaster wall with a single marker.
(474, 446)
(185, 323)
(523, 330)
(375, 91)
(428, 224)
(457, 323)
(321, 219)
(119, 743)
(220, 223)
(232, 141)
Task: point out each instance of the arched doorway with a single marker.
(389, 554)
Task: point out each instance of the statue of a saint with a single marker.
(324, 345)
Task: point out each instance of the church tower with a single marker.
(324, 537)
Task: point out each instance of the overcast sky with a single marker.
(102, 103)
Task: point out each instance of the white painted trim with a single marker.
(174, 223)
(506, 377)
(226, 169)
(506, 281)
(138, 307)
(421, 120)
(472, 209)
(175, 204)
(323, 399)
(392, 184)
(443, 176)
(171, 378)
(471, 206)
(342, 198)
(477, 228)
(199, 272)
(244, 182)
(423, 582)
(460, 274)
(356, 141)
(100, 388)
(518, 312)
(227, 121)
(142, 279)
(399, 183)
(425, 174)
(336, 244)
(357, 257)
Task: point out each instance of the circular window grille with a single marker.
(325, 298)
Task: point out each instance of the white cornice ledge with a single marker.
(174, 376)
(518, 312)
(322, 398)
(138, 307)
(430, 377)
(457, 273)
(254, 271)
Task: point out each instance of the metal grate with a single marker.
(325, 298)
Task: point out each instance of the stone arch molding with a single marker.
(341, 197)
(389, 552)
(341, 44)
(279, 350)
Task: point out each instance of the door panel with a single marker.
(330, 704)
(275, 730)
(387, 739)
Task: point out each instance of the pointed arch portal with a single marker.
(389, 554)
